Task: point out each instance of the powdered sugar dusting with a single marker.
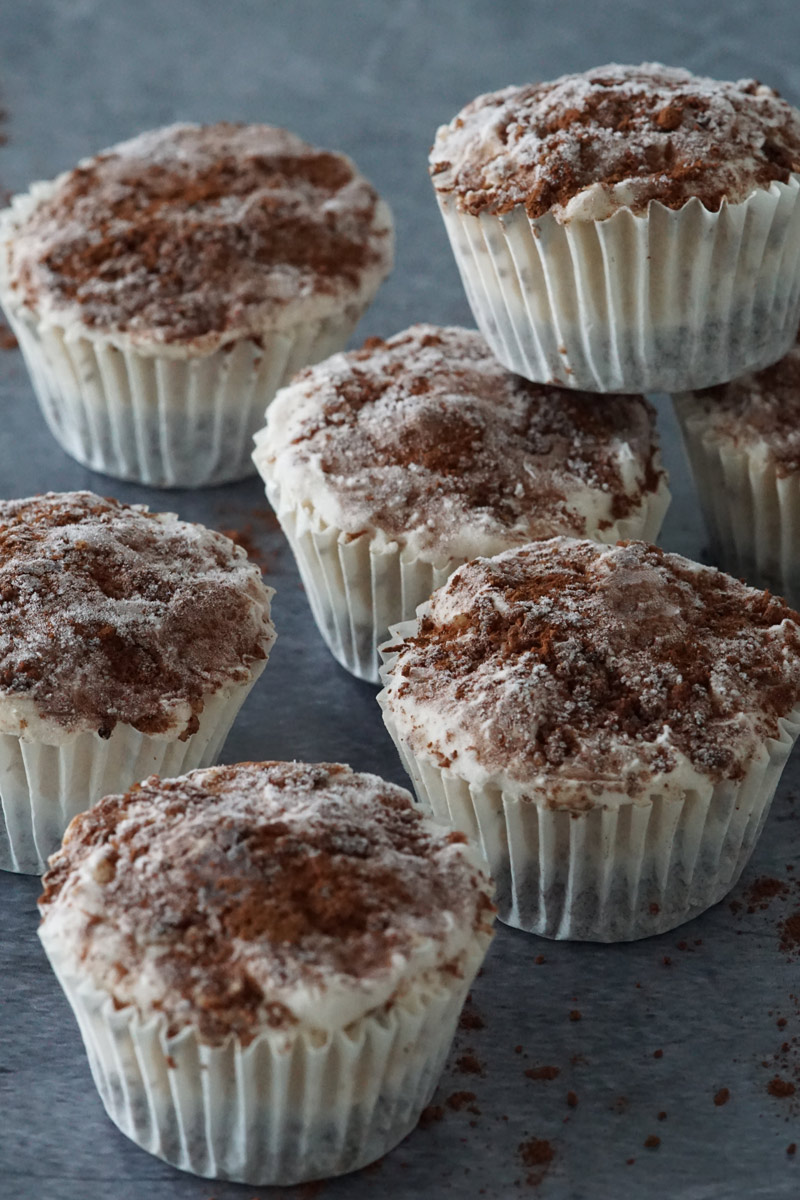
(585, 145)
(566, 662)
(263, 894)
(760, 411)
(198, 234)
(426, 438)
(112, 613)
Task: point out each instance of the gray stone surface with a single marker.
(374, 78)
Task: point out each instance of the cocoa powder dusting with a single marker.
(664, 134)
(760, 410)
(112, 613)
(427, 434)
(238, 884)
(590, 661)
(190, 232)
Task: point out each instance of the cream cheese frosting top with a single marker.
(110, 613)
(263, 895)
(194, 235)
(760, 412)
(581, 671)
(585, 145)
(426, 440)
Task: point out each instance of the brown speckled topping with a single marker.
(663, 133)
(758, 410)
(569, 660)
(229, 889)
(426, 435)
(110, 613)
(189, 231)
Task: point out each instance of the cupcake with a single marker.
(163, 290)
(267, 962)
(609, 722)
(390, 466)
(629, 228)
(743, 443)
(128, 642)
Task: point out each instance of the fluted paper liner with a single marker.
(290, 1106)
(358, 587)
(159, 417)
(752, 512)
(42, 787)
(625, 869)
(663, 301)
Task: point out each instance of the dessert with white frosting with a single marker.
(391, 465)
(164, 289)
(300, 929)
(610, 721)
(129, 642)
(743, 444)
(598, 223)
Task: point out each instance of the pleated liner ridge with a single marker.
(166, 419)
(751, 512)
(290, 1106)
(663, 301)
(622, 870)
(42, 787)
(357, 587)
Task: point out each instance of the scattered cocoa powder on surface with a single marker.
(782, 1088)
(471, 1019)
(469, 1064)
(543, 1072)
(763, 891)
(537, 1155)
(431, 1115)
(461, 1100)
(790, 933)
(7, 339)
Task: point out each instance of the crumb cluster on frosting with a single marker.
(200, 232)
(586, 144)
(569, 663)
(109, 613)
(260, 895)
(428, 439)
(760, 410)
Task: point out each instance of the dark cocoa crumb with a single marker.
(791, 1148)
(539, 959)
(722, 1097)
(572, 1099)
(471, 1019)
(780, 1087)
(460, 1100)
(543, 1072)
(430, 1115)
(662, 1116)
(652, 1142)
(7, 338)
(575, 1015)
(658, 1054)
(468, 1064)
(537, 1154)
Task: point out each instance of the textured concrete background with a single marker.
(374, 78)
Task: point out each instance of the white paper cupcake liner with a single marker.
(665, 301)
(163, 418)
(42, 787)
(358, 587)
(285, 1108)
(751, 512)
(625, 869)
